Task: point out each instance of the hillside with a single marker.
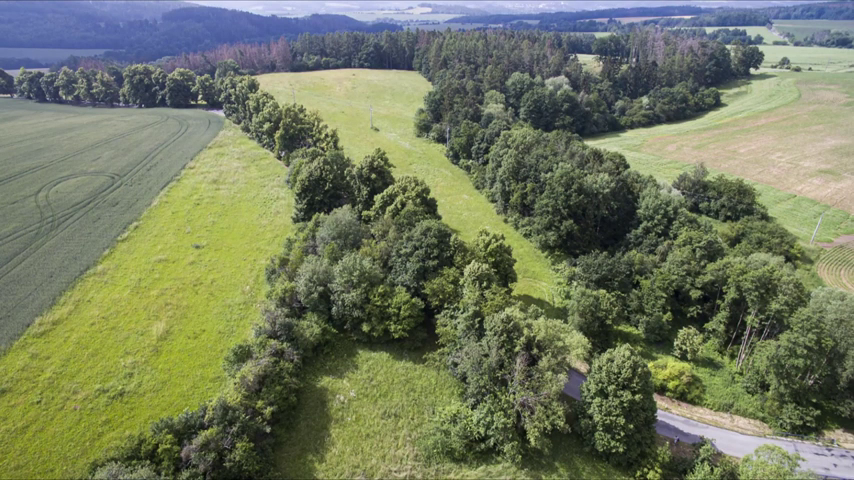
(186, 29)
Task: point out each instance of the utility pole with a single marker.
(372, 116)
(295, 95)
(816, 228)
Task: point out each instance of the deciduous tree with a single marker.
(619, 411)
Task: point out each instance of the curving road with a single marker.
(825, 461)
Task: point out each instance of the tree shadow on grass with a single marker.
(548, 308)
(302, 436)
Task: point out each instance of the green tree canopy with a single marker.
(179, 88)
(619, 411)
(320, 182)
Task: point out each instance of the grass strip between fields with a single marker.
(143, 334)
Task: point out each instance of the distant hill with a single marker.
(150, 30)
(556, 17)
(453, 9)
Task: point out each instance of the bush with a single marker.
(796, 68)
(676, 380)
(688, 343)
(453, 435)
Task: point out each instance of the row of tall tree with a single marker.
(648, 76)
(138, 85)
(274, 56)
(370, 258)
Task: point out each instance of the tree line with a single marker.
(827, 38)
(648, 76)
(641, 253)
(717, 18)
(813, 11)
(546, 19)
(370, 259)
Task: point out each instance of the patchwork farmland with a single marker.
(72, 180)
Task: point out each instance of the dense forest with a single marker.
(189, 29)
(546, 19)
(718, 18)
(647, 77)
(813, 11)
(637, 252)
(371, 260)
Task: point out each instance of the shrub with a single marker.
(676, 380)
(688, 343)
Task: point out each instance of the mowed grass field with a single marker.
(143, 334)
(48, 55)
(787, 133)
(71, 180)
(836, 267)
(820, 59)
(363, 408)
(804, 28)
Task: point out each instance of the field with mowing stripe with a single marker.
(786, 132)
(71, 180)
(143, 334)
(363, 408)
(836, 267)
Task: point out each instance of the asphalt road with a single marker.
(826, 461)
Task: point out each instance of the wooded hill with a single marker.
(145, 37)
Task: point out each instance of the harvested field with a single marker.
(787, 132)
(803, 148)
(71, 180)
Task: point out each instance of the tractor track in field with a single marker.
(163, 119)
(51, 225)
(19, 140)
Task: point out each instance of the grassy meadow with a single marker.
(363, 408)
(64, 201)
(820, 59)
(143, 334)
(804, 28)
(344, 99)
